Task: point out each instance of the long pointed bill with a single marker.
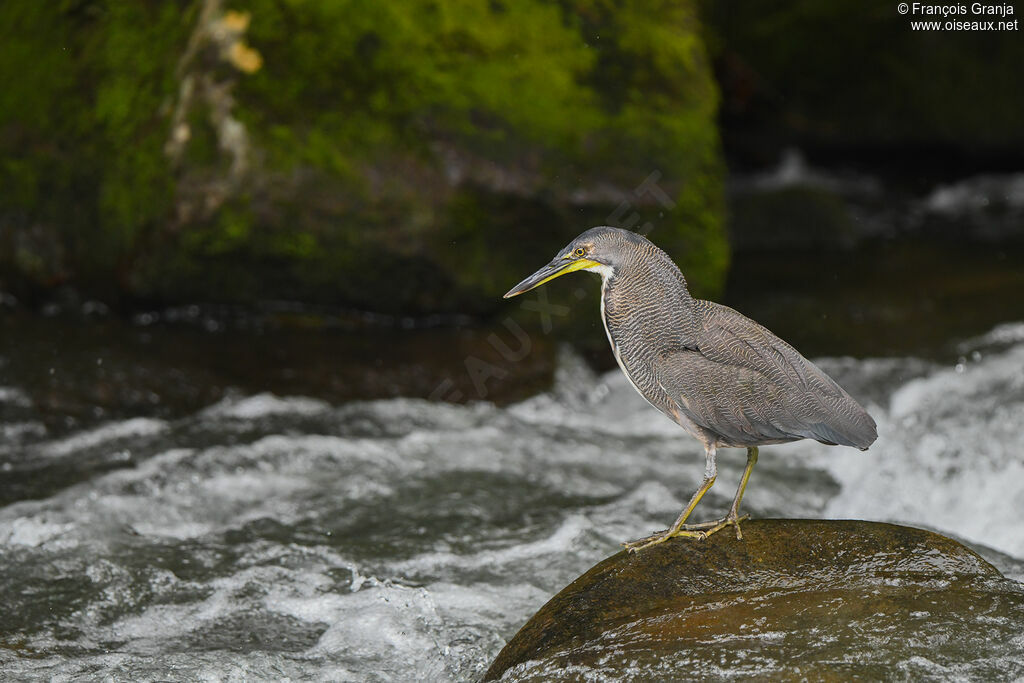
(556, 268)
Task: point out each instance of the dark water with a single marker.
(265, 537)
(203, 494)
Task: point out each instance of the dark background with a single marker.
(243, 194)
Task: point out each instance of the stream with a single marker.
(185, 497)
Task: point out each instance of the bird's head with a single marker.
(599, 250)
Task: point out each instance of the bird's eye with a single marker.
(578, 252)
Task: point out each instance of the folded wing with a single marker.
(741, 382)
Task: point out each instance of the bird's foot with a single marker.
(698, 531)
(661, 537)
(711, 527)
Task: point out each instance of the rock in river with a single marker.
(830, 600)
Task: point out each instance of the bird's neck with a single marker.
(648, 294)
(606, 273)
(655, 273)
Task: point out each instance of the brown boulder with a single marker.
(794, 598)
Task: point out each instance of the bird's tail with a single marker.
(849, 426)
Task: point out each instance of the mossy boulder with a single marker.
(410, 157)
(795, 599)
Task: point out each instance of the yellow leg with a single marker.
(702, 530)
(734, 511)
(710, 472)
(733, 518)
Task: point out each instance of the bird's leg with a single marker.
(734, 512)
(710, 472)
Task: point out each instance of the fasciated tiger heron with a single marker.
(722, 377)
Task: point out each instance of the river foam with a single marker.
(271, 537)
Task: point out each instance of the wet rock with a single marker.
(829, 600)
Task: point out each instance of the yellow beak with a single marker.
(557, 268)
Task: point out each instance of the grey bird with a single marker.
(722, 377)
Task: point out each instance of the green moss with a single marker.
(382, 75)
(700, 245)
(136, 49)
(85, 83)
(231, 231)
(414, 157)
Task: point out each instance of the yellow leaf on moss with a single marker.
(236, 21)
(245, 58)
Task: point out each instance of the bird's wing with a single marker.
(738, 405)
(730, 338)
(742, 381)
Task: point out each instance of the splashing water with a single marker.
(268, 537)
(952, 453)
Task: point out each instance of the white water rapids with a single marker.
(274, 538)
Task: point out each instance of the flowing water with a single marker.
(273, 537)
(178, 509)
